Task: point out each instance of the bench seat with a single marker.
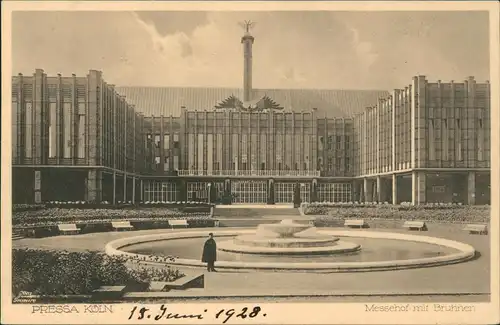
(415, 225)
(476, 229)
(178, 223)
(355, 223)
(68, 228)
(122, 225)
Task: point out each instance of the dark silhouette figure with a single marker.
(210, 253)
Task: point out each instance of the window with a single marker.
(166, 141)
(176, 140)
(438, 189)
(157, 141)
(338, 163)
(166, 164)
(320, 144)
(432, 148)
(339, 142)
(460, 156)
(176, 162)
(347, 164)
(330, 163)
(330, 142)
(67, 130)
(347, 142)
(81, 136)
(52, 130)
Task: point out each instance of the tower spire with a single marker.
(247, 41)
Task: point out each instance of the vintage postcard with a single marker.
(250, 162)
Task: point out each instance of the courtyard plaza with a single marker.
(468, 281)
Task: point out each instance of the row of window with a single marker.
(334, 142)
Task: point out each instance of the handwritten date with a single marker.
(222, 314)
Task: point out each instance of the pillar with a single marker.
(394, 189)
(354, 191)
(124, 188)
(380, 194)
(94, 186)
(361, 192)
(227, 191)
(418, 185)
(182, 190)
(368, 190)
(314, 190)
(38, 186)
(142, 191)
(133, 190)
(270, 191)
(471, 188)
(114, 188)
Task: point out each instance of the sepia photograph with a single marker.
(249, 162)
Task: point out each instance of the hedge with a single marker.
(53, 216)
(45, 273)
(438, 213)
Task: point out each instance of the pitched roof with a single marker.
(168, 100)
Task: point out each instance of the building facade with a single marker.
(428, 142)
(81, 139)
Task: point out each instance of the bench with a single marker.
(355, 223)
(178, 222)
(476, 229)
(68, 229)
(415, 225)
(121, 225)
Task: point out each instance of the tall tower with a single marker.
(247, 41)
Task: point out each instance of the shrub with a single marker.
(62, 273)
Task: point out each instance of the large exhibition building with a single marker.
(82, 139)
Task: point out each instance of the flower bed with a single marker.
(53, 216)
(437, 213)
(61, 273)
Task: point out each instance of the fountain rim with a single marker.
(465, 252)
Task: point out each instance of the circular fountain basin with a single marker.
(459, 252)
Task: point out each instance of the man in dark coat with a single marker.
(210, 253)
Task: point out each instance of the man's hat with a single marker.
(211, 234)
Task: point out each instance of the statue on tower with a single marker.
(247, 25)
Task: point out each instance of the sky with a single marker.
(315, 49)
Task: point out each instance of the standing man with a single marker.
(210, 253)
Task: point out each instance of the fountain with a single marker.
(285, 238)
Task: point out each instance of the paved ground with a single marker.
(472, 277)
